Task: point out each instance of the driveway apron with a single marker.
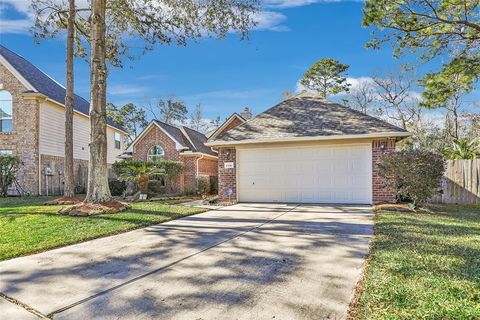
(249, 261)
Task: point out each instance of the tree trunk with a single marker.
(69, 189)
(97, 189)
(455, 122)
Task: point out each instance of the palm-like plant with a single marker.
(463, 149)
(140, 174)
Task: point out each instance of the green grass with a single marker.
(27, 226)
(424, 266)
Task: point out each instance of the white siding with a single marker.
(52, 134)
(112, 153)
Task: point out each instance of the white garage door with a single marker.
(318, 174)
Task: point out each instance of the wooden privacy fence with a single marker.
(460, 183)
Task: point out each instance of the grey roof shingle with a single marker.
(44, 84)
(197, 139)
(306, 116)
(176, 133)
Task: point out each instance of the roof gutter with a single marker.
(316, 138)
(197, 154)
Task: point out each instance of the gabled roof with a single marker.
(198, 141)
(39, 82)
(186, 140)
(305, 117)
(175, 133)
(218, 131)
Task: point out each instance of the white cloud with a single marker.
(356, 83)
(17, 26)
(270, 20)
(121, 89)
(282, 4)
(20, 25)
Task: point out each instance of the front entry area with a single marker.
(337, 173)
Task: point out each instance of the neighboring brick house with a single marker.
(306, 150)
(32, 126)
(163, 141)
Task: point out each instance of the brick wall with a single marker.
(56, 181)
(190, 173)
(208, 167)
(235, 122)
(23, 140)
(226, 177)
(381, 194)
(153, 137)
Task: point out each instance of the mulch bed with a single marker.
(90, 209)
(401, 207)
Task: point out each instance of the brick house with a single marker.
(305, 150)
(160, 140)
(32, 126)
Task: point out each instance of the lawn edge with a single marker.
(113, 233)
(352, 312)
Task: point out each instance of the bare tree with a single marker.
(170, 110)
(361, 97)
(197, 121)
(397, 101)
(215, 123)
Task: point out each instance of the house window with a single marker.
(155, 154)
(6, 111)
(118, 140)
(6, 153)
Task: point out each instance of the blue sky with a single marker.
(224, 76)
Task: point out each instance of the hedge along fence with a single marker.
(460, 183)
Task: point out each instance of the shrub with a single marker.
(213, 184)
(141, 172)
(155, 187)
(203, 185)
(463, 149)
(415, 174)
(9, 166)
(189, 191)
(117, 187)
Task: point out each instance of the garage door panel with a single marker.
(335, 174)
(341, 181)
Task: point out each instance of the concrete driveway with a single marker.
(249, 261)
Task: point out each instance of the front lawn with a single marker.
(424, 266)
(27, 226)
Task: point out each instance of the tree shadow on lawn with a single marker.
(434, 241)
(239, 267)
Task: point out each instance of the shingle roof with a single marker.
(307, 116)
(199, 139)
(190, 139)
(44, 84)
(176, 134)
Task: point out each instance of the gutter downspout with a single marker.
(198, 171)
